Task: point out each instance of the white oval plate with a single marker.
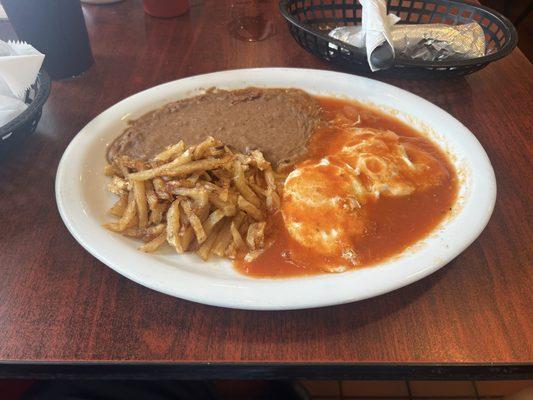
(83, 201)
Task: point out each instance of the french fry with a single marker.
(250, 209)
(211, 187)
(206, 177)
(205, 198)
(156, 209)
(173, 226)
(187, 237)
(134, 221)
(272, 197)
(156, 214)
(142, 206)
(256, 235)
(236, 235)
(201, 207)
(224, 236)
(201, 149)
(129, 213)
(144, 233)
(223, 181)
(192, 179)
(161, 189)
(258, 190)
(242, 186)
(154, 244)
(272, 201)
(195, 222)
(151, 196)
(119, 186)
(125, 163)
(270, 179)
(199, 195)
(120, 206)
(224, 193)
(178, 167)
(215, 151)
(231, 251)
(164, 169)
(204, 251)
(228, 208)
(259, 160)
(244, 159)
(170, 153)
(252, 255)
(212, 220)
(220, 192)
(223, 239)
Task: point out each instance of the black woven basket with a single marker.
(310, 21)
(16, 131)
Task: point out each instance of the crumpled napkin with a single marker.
(374, 33)
(19, 65)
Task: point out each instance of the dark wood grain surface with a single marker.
(58, 303)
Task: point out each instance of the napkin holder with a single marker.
(15, 132)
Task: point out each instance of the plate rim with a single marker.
(254, 305)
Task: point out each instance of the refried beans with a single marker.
(278, 122)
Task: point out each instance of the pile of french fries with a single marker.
(205, 198)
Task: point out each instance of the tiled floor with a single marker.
(414, 390)
(350, 390)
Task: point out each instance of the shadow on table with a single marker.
(361, 313)
(317, 323)
(162, 390)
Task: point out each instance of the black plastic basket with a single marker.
(310, 21)
(16, 131)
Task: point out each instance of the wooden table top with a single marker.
(59, 304)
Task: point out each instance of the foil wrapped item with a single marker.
(427, 42)
(437, 42)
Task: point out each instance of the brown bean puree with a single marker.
(279, 122)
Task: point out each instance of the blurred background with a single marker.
(519, 12)
(306, 390)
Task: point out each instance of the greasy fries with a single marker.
(204, 198)
(120, 206)
(142, 206)
(173, 226)
(126, 219)
(154, 244)
(250, 209)
(170, 152)
(242, 186)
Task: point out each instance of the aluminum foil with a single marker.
(427, 42)
(437, 42)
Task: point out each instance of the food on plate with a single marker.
(288, 184)
(279, 122)
(205, 198)
(368, 187)
(324, 200)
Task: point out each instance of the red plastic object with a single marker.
(166, 8)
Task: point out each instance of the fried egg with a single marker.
(324, 200)
(319, 207)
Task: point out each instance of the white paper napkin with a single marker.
(373, 32)
(3, 15)
(19, 65)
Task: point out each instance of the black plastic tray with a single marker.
(309, 22)
(16, 131)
